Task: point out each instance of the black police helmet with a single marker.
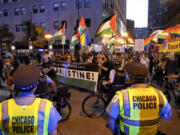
(136, 69)
(26, 77)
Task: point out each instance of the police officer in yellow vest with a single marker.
(139, 107)
(26, 114)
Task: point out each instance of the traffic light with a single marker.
(36, 31)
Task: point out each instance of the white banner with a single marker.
(139, 45)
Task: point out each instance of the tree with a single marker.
(5, 35)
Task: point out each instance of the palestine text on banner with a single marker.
(58, 34)
(108, 26)
(78, 75)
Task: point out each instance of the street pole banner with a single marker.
(79, 75)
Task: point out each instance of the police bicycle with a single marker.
(62, 99)
(172, 92)
(95, 105)
(59, 97)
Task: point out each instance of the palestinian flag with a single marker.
(58, 34)
(108, 26)
(82, 26)
(75, 39)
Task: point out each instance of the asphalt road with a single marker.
(79, 124)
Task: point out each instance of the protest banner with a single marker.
(139, 45)
(79, 75)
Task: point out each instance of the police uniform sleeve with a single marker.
(113, 107)
(166, 112)
(54, 118)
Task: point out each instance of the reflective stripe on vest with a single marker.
(134, 109)
(161, 100)
(126, 104)
(44, 106)
(140, 123)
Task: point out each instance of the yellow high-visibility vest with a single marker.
(140, 110)
(17, 119)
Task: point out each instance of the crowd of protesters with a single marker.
(159, 65)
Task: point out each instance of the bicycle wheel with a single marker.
(64, 109)
(93, 106)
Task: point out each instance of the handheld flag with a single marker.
(108, 26)
(83, 33)
(75, 39)
(58, 34)
(148, 42)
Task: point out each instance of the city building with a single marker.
(51, 14)
(141, 33)
(173, 13)
(130, 28)
(157, 11)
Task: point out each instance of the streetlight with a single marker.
(48, 36)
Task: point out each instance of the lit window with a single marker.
(64, 22)
(1, 13)
(88, 22)
(56, 25)
(5, 12)
(35, 9)
(16, 11)
(56, 6)
(64, 5)
(87, 3)
(23, 11)
(78, 3)
(18, 26)
(42, 8)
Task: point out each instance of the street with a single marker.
(79, 124)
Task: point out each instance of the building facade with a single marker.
(157, 11)
(173, 13)
(141, 33)
(130, 28)
(51, 14)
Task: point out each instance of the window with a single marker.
(35, 9)
(5, 12)
(78, 3)
(63, 5)
(87, 3)
(56, 6)
(23, 10)
(1, 13)
(88, 22)
(64, 22)
(18, 26)
(16, 11)
(56, 25)
(24, 28)
(14, 0)
(42, 8)
(5, 1)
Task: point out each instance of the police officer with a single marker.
(138, 107)
(26, 114)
